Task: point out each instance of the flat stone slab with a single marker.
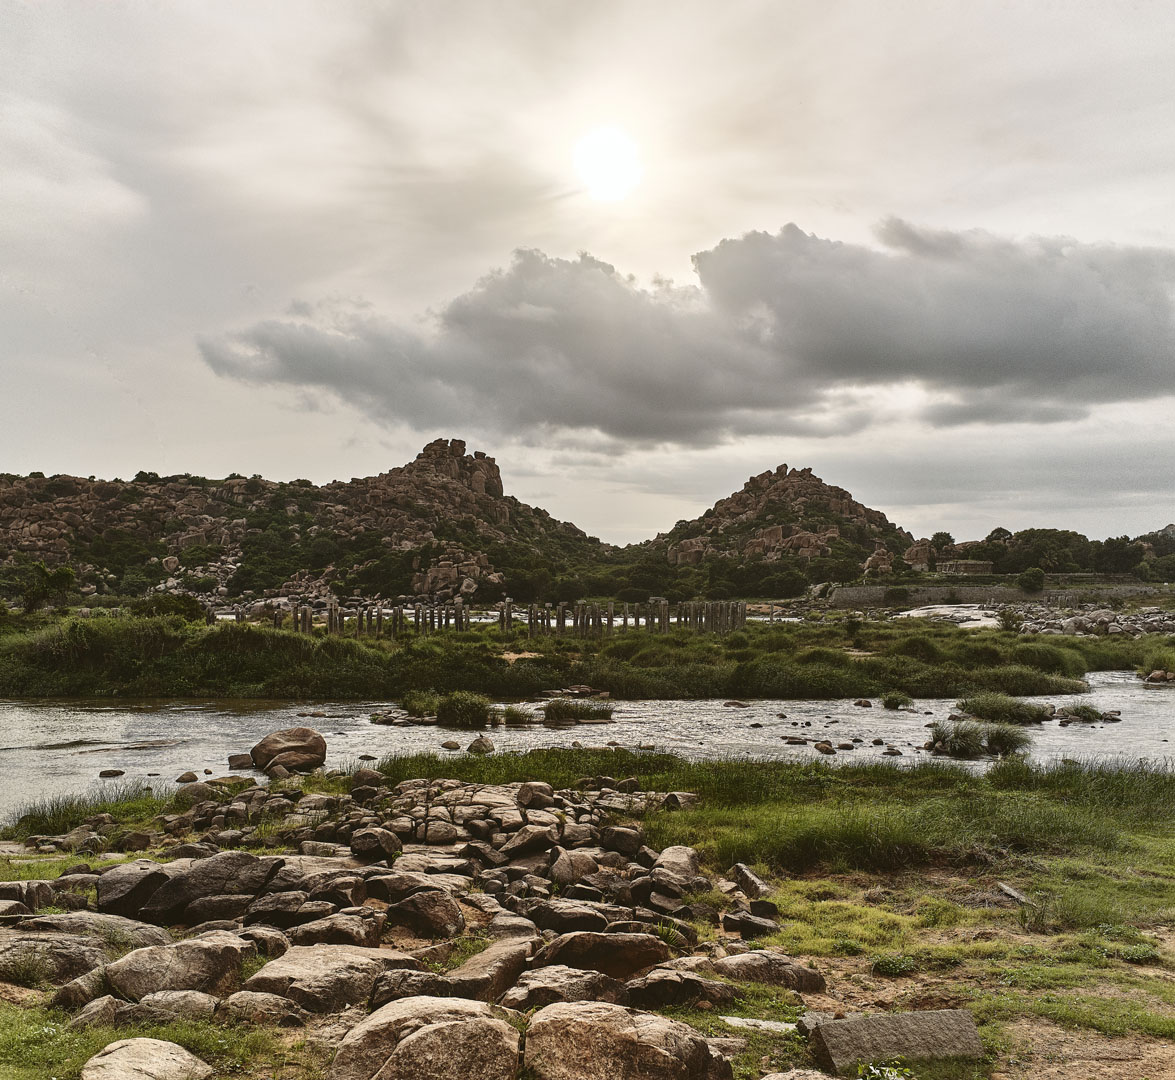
(841, 1045)
(778, 1026)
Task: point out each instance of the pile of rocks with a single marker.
(1098, 621)
(578, 918)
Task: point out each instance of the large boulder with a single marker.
(840, 1045)
(253, 1007)
(327, 978)
(210, 963)
(618, 955)
(764, 966)
(299, 749)
(663, 987)
(546, 985)
(32, 958)
(144, 1059)
(594, 1040)
(114, 931)
(228, 873)
(430, 1038)
(430, 913)
(123, 890)
(361, 927)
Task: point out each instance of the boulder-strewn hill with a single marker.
(439, 527)
(781, 516)
(431, 526)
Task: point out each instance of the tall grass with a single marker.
(1002, 709)
(56, 814)
(569, 710)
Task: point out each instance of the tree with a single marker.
(1032, 579)
(42, 585)
(942, 540)
(998, 534)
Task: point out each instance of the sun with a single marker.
(608, 164)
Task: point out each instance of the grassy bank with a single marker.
(823, 658)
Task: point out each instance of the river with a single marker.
(58, 747)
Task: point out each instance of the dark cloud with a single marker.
(785, 333)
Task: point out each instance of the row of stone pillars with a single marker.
(578, 619)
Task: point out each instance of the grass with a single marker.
(970, 740)
(38, 1043)
(56, 814)
(167, 656)
(463, 709)
(421, 702)
(1002, 709)
(565, 710)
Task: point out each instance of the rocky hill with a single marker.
(439, 527)
(428, 527)
(785, 515)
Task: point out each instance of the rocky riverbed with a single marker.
(574, 932)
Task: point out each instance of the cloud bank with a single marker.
(786, 333)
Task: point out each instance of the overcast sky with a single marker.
(926, 248)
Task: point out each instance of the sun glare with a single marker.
(607, 163)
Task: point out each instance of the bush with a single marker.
(896, 594)
(1005, 739)
(1002, 709)
(513, 714)
(970, 740)
(564, 710)
(420, 702)
(464, 709)
(187, 607)
(896, 699)
(1031, 580)
(1009, 619)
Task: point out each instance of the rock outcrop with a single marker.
(190, 534)
(780, 515)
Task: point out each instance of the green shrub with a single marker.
(1051, 658)
(514, 715)
(970, 740)
(1031, 580)
(961, 739)
(564, 710)
(1004, 739)
(1002, 709)
(1085, 713)
(896, 699)
(420, 702)
(464, 709)
(893, 964)
(1009, 619)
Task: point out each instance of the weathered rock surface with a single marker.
(327, 978)
(210, 963)
(841, 1045)
(145, 1059)
(598, 1041)
(377, 1046)
(774, 968)
(29, 958)
(298, 749)
(547, 985)
(618, 955)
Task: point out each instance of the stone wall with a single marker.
(869, 596)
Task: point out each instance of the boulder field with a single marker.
(429, 930)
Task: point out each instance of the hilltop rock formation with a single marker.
(780, 514)
(428, 523)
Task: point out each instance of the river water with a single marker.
(59, 747)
